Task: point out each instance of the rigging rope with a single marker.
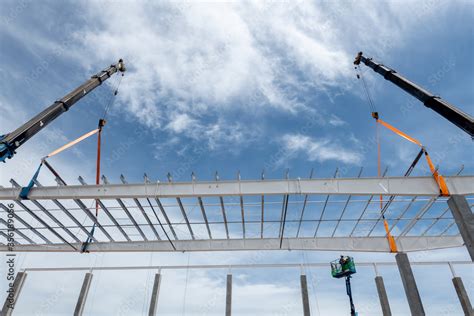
(373, 109)
(101, 124)
(26, 190)
(443, 189)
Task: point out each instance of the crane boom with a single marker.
(462, 120)
(10, 142)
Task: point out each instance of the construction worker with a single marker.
(343, 262)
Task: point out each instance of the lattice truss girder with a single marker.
(324, 214)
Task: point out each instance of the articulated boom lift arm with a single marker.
(462, 120)
(10, 142)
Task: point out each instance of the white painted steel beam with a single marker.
(420, 186)
(375, 244)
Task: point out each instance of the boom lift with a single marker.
(462, 120)
(344, 268)
(10, 142)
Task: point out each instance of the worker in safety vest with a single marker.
(343, 262)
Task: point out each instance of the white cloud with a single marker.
(180, 123)
(189, 59)
(320, 150)
(336, 120)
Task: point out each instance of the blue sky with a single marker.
(234, 87)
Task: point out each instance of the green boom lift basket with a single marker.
(339, 270)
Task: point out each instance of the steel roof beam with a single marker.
(185, 216)
(142, 210)
(324, 207)
(401, 215)
(304, 207)
(111, 217)
(299, 265)
(42, 222)
(45, 211)
(224, 216)
(345, 207)
(283, 218)
(370, 244)
(6, 237)
(17, 231)
(402, 186)
(84, 208)
(168, 222)
(24, 223)
(418, 216)
(242, 213)
(203, 211)
(65, 210)
(127, 212)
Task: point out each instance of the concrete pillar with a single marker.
(12, 297)
(463, 297)
(464, 218)
(304, 295)
(409, 284)
(383, 296)
(81, 301)
(228, 296)
(154, 295)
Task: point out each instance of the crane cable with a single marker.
(439, 179)
(366, 89)
(373, 109)
(101, 124)
(24, 192)
(112, 97)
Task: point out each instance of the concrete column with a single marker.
(409, 283)
(12, 297)
(81, 301)
(304, 295)
(228, 296)
(154, 295)
(463, 297)
(464, 218)
(383, 296)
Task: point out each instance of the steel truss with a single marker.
(310, 214)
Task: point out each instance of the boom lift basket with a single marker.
(342, 269)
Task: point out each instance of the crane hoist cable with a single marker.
(26, 190)
(391, 240)
(101, 125)
(112, 97)
(439, 179)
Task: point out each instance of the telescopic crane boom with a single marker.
(10, 142)
(462, 120)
